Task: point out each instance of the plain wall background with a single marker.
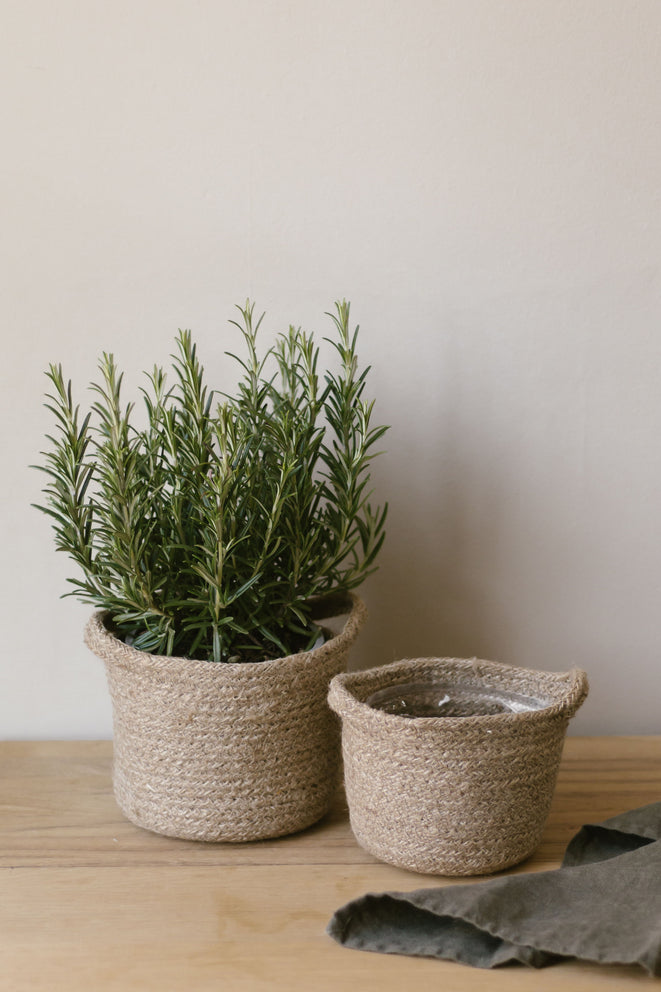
(481, 178)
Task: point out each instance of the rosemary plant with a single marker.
(211, 532)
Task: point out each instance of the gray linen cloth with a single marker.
(602, 905)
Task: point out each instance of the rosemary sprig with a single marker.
(209, 532)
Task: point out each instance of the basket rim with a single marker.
(111, 649)
(349, 705)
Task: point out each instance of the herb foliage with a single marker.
(211, 532)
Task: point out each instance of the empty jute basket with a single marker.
(456, 794)
(224, 752)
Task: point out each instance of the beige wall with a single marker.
(480, 178)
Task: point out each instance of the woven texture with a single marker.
(453, 795)
(223, 752)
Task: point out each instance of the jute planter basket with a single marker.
(224, 752)
(455, 795)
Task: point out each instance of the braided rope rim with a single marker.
(102, 642)
(566, 691)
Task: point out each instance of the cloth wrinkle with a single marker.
(602, 905)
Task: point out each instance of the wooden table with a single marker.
(90, 902)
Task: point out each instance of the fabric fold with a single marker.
(602, 905)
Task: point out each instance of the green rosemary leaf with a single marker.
(258, 502)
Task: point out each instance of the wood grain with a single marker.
(91, 902)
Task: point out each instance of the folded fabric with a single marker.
(602, 905)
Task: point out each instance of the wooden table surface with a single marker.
(90, 902)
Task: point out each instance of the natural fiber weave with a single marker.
(453, 795)
(224, 752)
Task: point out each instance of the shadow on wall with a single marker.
(431, 594)
(473, 565)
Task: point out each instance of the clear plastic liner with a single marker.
(450, 699)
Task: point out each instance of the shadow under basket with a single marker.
(460, 794)
(224, 752)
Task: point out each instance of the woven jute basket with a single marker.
(224, 752)
(451, 795)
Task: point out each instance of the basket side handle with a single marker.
(578, 690)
